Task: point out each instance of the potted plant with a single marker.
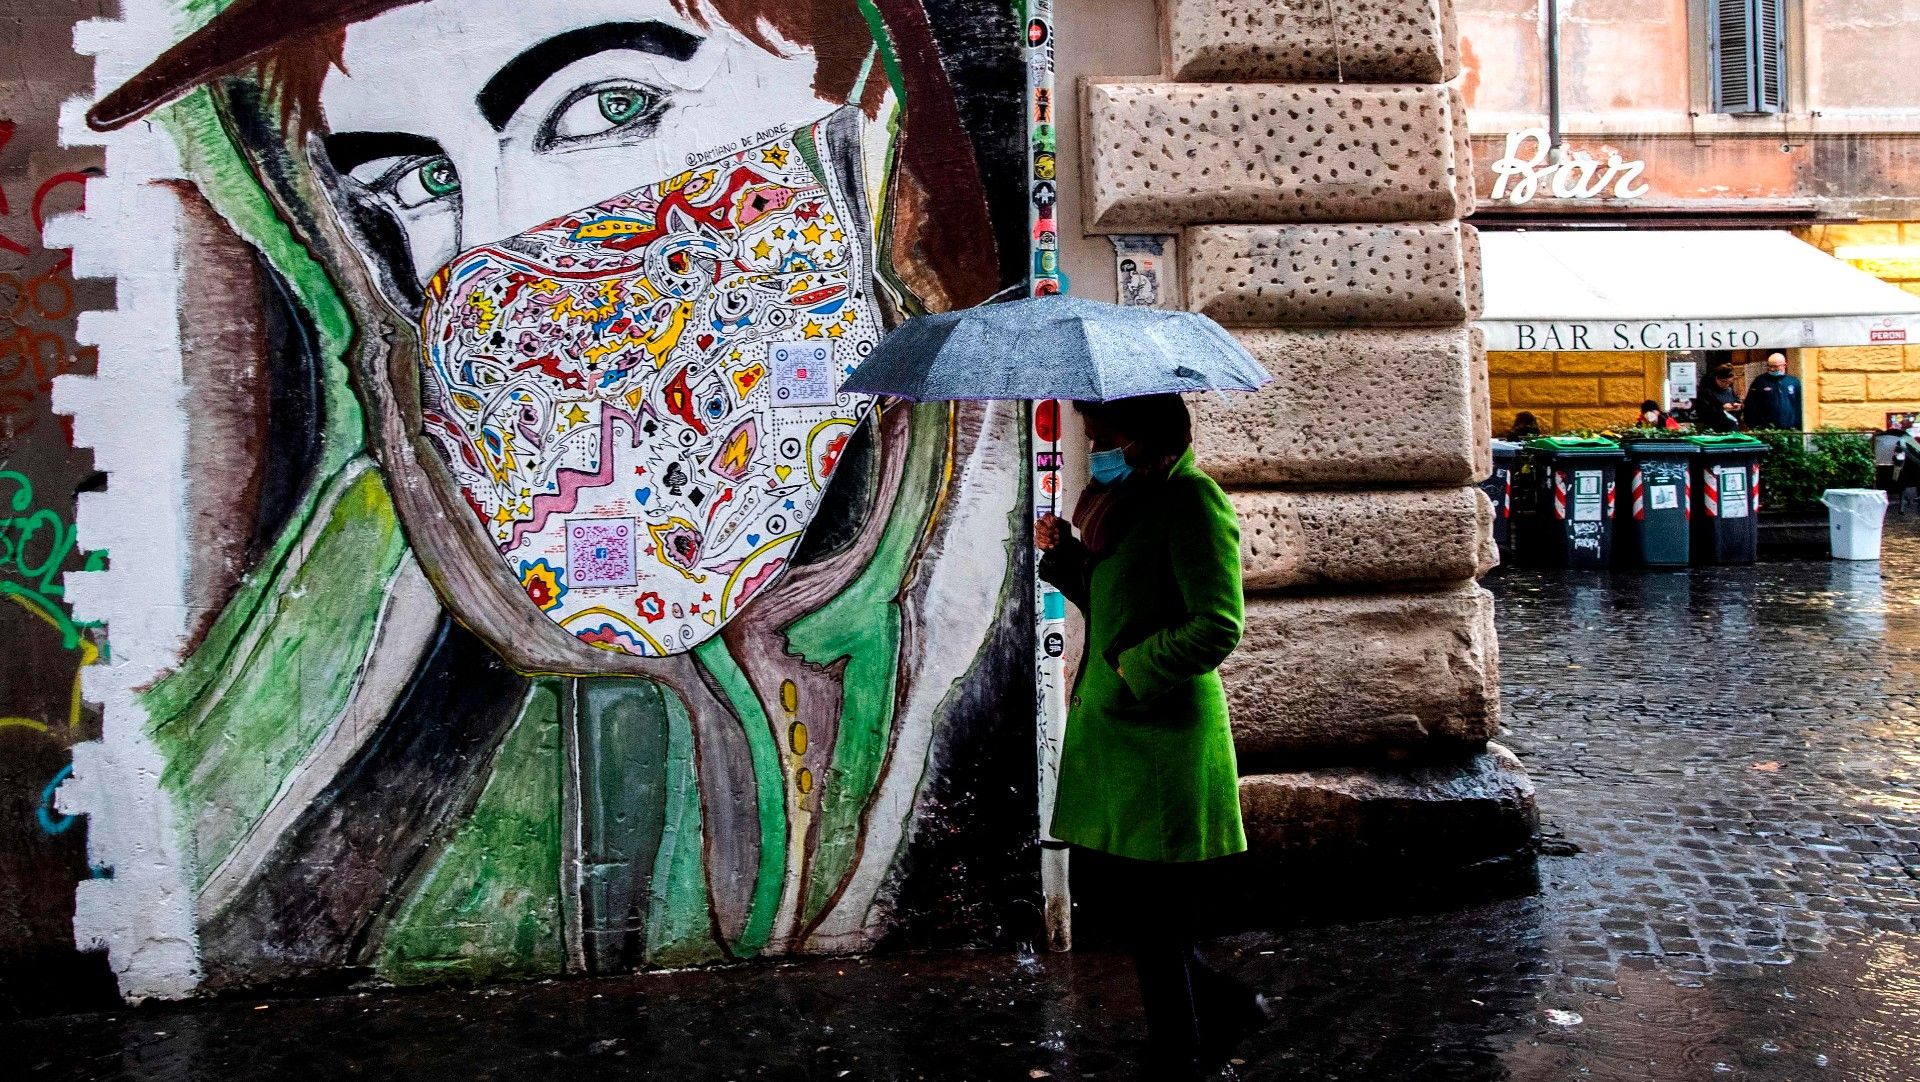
(1800, 467)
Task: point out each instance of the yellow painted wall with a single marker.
(1568, 391)
(1857, 387)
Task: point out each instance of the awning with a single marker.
(1630, 290)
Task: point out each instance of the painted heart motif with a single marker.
(667, 330)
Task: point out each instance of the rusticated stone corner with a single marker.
(1316, 539)
(1332, 275)
(1347, 406)
(1459, 812)
(1411, 41)
(1161, 156)
(1366, 674)
(1482, 403)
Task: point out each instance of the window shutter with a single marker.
(1770, 55)
(1730, 48)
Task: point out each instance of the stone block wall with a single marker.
(1311, 158)
(1570, 391)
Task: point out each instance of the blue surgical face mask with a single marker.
(1110, 467)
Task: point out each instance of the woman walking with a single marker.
(1147, 771)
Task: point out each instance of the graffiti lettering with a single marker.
(35, 543)
(51, 820)
(32, 353)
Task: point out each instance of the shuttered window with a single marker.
(1747, 47)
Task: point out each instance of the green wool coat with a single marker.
(1147, 769)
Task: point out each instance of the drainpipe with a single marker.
(1553, 78)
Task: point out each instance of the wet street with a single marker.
(1728, 778)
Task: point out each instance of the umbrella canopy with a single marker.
(1056, 347)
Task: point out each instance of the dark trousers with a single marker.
(1195, 1015)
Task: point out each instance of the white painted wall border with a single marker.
(132, 414)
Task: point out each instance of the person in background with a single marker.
(1773, 400)
(1717, 407)
(1525, 427)
(1148, 779)
(1652, 416)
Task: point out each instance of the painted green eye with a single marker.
(624, 108)
(621, 104)
(438, 177)
(417, 182)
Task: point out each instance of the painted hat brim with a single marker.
(244, 33)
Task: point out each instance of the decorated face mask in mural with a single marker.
(639, 399)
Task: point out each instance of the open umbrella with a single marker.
(1056, 347)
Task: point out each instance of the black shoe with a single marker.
(1224, 1035)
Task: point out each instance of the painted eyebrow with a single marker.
(352, 149)
(507, 91)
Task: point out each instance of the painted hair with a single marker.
(837, 31)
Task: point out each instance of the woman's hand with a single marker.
(1048, 531)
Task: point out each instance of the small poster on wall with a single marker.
(1137, 268)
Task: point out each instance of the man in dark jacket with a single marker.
(1717, 407)
(1773, 400)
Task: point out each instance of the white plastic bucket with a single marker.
(1854, 516)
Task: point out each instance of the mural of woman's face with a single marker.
(640, 254)
(519, 112)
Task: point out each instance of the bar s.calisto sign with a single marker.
(1637, 336)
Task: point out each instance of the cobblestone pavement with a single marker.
(1727, 766)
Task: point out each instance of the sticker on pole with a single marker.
(802, 373)
(1586, 496)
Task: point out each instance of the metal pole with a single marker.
(1050, 608)
(1553, 79)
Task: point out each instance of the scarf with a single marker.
(1104, 512)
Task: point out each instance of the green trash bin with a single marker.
(1575, 483)
(1726, 498)
(1656, 506)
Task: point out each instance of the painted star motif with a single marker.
(836, 331)
(813, 233)
(576, 415)
(837, 235)
(775, 156)
(812, 329)
(762, 250)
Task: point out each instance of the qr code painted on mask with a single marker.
(600, 552)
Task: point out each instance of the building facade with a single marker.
(1795, 116)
